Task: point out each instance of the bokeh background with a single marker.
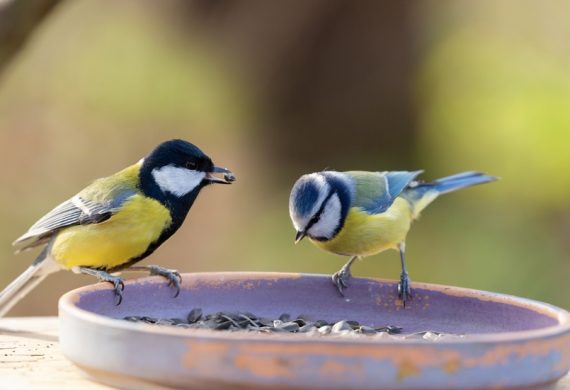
(277, 89)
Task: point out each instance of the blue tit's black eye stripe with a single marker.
(317, 215)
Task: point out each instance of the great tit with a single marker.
(360, 213)
(118, 220)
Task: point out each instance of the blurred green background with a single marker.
(277, 89)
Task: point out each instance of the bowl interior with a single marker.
(372, 302)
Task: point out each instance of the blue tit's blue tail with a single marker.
(459, 181)
(421, 194)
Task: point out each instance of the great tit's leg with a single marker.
(404, 289)
(341, 278)
(103, 276)
(173, 276)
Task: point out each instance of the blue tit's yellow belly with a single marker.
(126, 235)
(364, 234)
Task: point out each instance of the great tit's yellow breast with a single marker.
(124, 236)
(366, 234)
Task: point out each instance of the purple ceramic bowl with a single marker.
(510, 342)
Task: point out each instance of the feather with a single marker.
(376, 191)
(30, 278)
(75, 211)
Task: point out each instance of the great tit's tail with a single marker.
(422, 194)
(23, 284)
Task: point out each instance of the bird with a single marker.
(362, 213)
(118, 220)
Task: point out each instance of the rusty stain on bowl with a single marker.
(509, 342)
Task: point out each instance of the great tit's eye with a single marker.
(190, 165)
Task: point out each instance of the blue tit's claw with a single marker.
(340, 279)
(338, 284)
(404, 289)
(173, 276)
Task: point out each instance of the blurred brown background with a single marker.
(277, 89)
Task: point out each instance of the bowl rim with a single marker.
(67, 305)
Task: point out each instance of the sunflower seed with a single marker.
(340, 326)
(194, 315)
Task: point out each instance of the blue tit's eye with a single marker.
(190, 165)
(315, 219)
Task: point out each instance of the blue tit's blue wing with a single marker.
(376, 191)
(76, 211)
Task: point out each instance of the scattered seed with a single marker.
(432, 336)
(389, 329)
(326, 329)
(290, 326)
(300, 321)
(231, 320)
(285, 323)
(249, 318)
(194, 315)
(340, 326)
(366, 330)
(285, 317)
(308, 328)
(164, 322)
(353, 324)
(319, 323)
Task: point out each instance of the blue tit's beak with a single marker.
(228, 178)
(299, 236)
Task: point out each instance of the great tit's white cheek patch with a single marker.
(329, 220)
(176, 180)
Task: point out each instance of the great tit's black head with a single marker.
(179, 169)
(180, 154)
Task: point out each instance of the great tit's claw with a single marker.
(104, 276)
(118, 288)
(404, 289)
(173, 276)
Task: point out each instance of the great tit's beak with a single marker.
(299, 236)
(227, 179)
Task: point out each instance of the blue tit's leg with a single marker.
(341, 278)
(106, 277)
(404, 290)
(173, 276)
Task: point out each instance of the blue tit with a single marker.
(360, 213)
(118, 220)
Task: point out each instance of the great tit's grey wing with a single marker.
(75, 211)
(376, 191)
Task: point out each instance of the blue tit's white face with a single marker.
(315, 207)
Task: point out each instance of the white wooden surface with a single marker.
(30, 358)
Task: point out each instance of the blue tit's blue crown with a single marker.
(305, 194)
